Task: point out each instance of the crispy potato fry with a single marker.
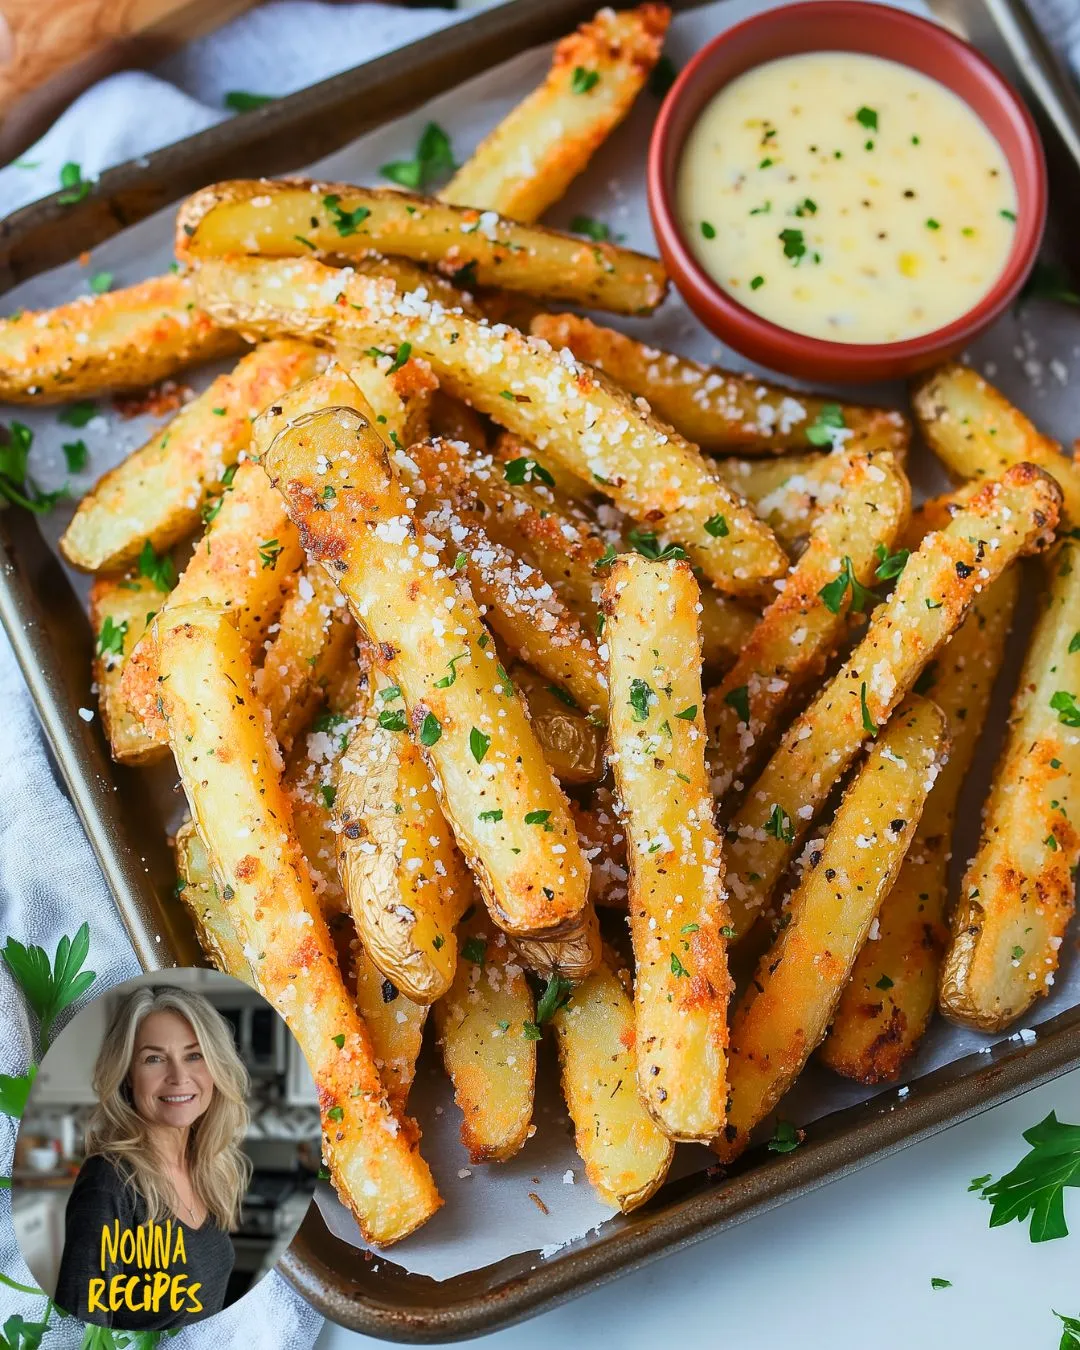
(158, 492)
(230, 772)
(400, 398)
(315, 637)
(787, 1006)
(573, 744)
(571, 958)
(1018, 893)
(1006, 519)
(890, 997)
(292, 218)
(202, 900)
(568, 411)
(99, 344)
(677, 908)
(509, 817)
(244, 563)
(603, 841)
(977, 433)
(404, 878)
(807, 622)
(120, 609)
(527, 163)
(626, 1154)
(395, 1024)
(788, 491)
(721, 411)
(488, 1039)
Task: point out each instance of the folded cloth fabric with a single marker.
(49, 880)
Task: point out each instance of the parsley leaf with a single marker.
(794, 245)
(779, 825)
(77, 414)
(269, 552)
(936, 1282)
(157, 567)
(833, 592)
(717, 526)
(1070, 1335)
(677, 967)
(15, 482)
(822, 430)
(478, 744)
(238, 101)
(592, 228)
(524, 470)
(75, 186)
(646, 543)
(434, 159)
(75, 455)
(1036, 1186)
(1065, 705)
(101, 282)
(111, 638)
(555, 996)
(786, 1138)
(430, 729)
(345, 222)
(537, 817)
(867, 118)
(869, 725)
(890, 564)
(392, 719)
(474, 950)
(739, 699)
(50, 989)
(640, 693)
(582, 80)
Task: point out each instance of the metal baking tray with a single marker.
(52, 640)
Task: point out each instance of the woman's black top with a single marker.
(118, 1271)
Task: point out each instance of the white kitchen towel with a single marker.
(49, 880)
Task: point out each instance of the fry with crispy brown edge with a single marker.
(230, 772)
(977, 433)
(527, 163)
(722, 411)
(159, 491)
(807, 622)
(244, 563)
(888, 1002)
(677, 909)
(787, 1005)
(1018, 893)
(98, 344)
(120, 609)
(202, 900)
(1006, 519)
(488, 1040)
(564, 408)
(626, 1154)
(507, 812)
(292, 218)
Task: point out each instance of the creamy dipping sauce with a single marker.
(846, 197)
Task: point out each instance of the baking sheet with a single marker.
(1034, 356)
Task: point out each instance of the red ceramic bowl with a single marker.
(852, 26)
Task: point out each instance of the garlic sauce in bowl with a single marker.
(847, 197)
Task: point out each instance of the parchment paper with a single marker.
(493, 1212)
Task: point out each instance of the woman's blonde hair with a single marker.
(218, 1166)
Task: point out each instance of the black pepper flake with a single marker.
(897, 825)
(963, 570)
(389, 991)
(830, 873)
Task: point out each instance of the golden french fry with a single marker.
(230, 772)
(677, 909)
(1018, 893)
(527, 163)
(569, 412)
(400, 397)
(807, 621)
(890, 997)
(488, 1039)
(124, 339)
(202, 900)
(626, 1154)
(976, 432)
(120, 609)
(294, 217)
(1009, 517)
(787, 1006)
(159, 491)
(722, 411)
(509, 817)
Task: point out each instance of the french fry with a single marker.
(677, 909)
(787, 491)
(314, 638)
(888, 1002)
(572, 743)
(398, 395)
(508, 815)
(603, 841)
(230, 772)
(158, 493)
(395, 1024)
(120, 609)
(626, 1154)
(292, 218)
(807, 621)
(787, 1006)
(99, 344)
(566, 410)
(244, 563)
(404, 878)
(202, 900)
(488, 1037)
(977, 433)
(527, 163)
(721, 411)
(570, 958)
(1009, 517)
(1018, 893)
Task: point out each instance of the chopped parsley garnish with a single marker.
(1036, 1186)
(77, 414)
(430, 729)
(391, 692)
(640, 693)
(709, 231)
(239, 101)
(717, 526)
(932, 224)
(491, 816)
(269, 552)
(562, 695)
(606, 558)
(582, 80)
(890, 565)
(807, 207)
(327, 721)
(111, 638)
(591, 228)
(1074, 643)
(101, 282)
(1065, 705)
(345, 222)
(779, 825)
(335, 1113)
(794, 244)
(392, 719)
(397, 357)
(531, 1031)
(555, 996)
(339, 1040)
(505, 684)
(15, 481)
(1070, 1334)
(822, 430)
(328, 793)
(478, 744)
(785, 1138)
(537, 817)
(688, 714)
(937, 1282)
(646, 543)
(869, 725)
(833, 592)
(75, 455)
(867, 117)
(474, 950)
(884, 983)
(157, 567)
(434, 159)
(677, 967)
(1007, 215)
(761, 210)
(739, 699)
(524, 470)
(302, 239)
(447, 680)
(756, 283)
(75, 186)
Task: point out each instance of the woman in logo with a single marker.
(147, 1243)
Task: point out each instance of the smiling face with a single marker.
(170, 1083)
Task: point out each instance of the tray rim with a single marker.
(36, 609)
